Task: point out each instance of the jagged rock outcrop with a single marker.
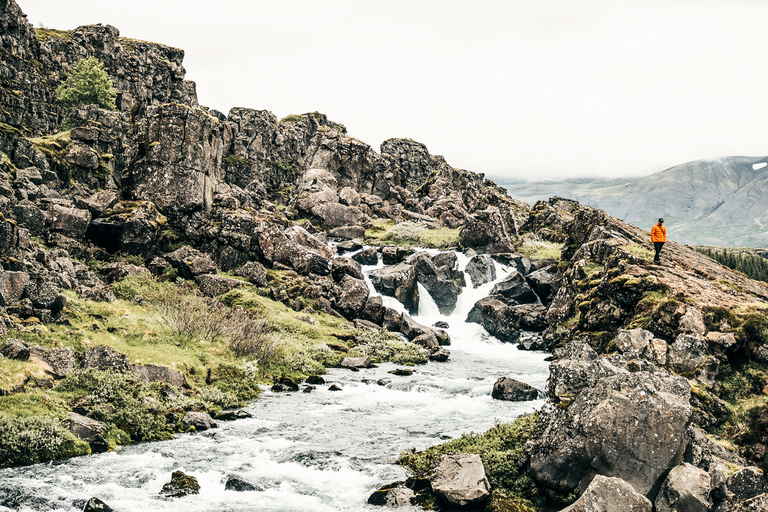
(606, 494)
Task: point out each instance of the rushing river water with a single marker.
(319, 451)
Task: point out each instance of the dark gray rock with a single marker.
(393, 495)
(496, 318)
(180, 485)
(543, 282)
(12, 285)
(439, 283)
(514, 288)
(512, 390)
(90, 431)
(45, 295)
(190, 262)
(103, 357)
(481, 270)
(96, 505)
(120, 269)
(397, 281)
(15, 349)
(368, 256)
(239, 484)
(747, 483)
(343, 266)
(353, 296)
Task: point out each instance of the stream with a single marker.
(323, 451)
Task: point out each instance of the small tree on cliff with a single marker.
(88, 83)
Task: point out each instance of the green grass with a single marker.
(639, 250)
(541, 250)
(410, 234)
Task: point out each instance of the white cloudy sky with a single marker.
(526, 89)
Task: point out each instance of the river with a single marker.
(324, 451)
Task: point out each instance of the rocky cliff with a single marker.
(659, 371)
(705, 202)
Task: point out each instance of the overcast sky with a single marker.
(538, 89)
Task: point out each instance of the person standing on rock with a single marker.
(658, 237)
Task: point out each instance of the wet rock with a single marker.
(15, 349)
(373, 311)
(343, 266)
(459, 480)
(59, 362)
(199, 420)
(152, 373)
(496, 318)
(315, 379)
(368, 256)
(606, 494)
(103, 357)
(239, 484)
(515, 288)
(397, 281)
(530, 317)
(543, 283)
(213, 285)
(685, 488)
(334, 387)
(180, 485)
(401, 372)
(356, 362)
(439, 283)
(90, 431)
(440, 355)
(481, 270)
(514, 391)
(96, 505)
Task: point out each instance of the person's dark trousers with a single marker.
(657, 246)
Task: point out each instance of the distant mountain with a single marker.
(722, 202)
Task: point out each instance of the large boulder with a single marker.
(15, 349)
(543, 283)
(609, 421)
(198, 420)
(513, 390)
(45, 295)
(71, 222)
(353, 296)
(514, 289)
(686, 488)
(343, 266)
(213, 285)
(495, 317)
(606, 494)
(392, 496)
(59, 362)
(486, 229)
(295, 248)
(398, 281)
(481, 270)
(96, 505)
(90, 431)
(131, 227)
(438, 281)
(459, 480)
(190, 262)
(12, 286)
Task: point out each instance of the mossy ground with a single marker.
(295, 344)
(500, 449)
(410, 234)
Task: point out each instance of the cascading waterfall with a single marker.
(319, 451)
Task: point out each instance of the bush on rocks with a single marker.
(36, 439)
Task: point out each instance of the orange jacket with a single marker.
(658, 233)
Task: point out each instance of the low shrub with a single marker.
(36, 439)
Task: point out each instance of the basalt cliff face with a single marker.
(647, 358)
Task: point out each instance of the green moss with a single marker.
(639, 250)
(237, 161)
(541, 250)
(10, 130)
(500, 449)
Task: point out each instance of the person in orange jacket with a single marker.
(658, 237)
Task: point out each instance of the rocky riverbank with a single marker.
(165, 259)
